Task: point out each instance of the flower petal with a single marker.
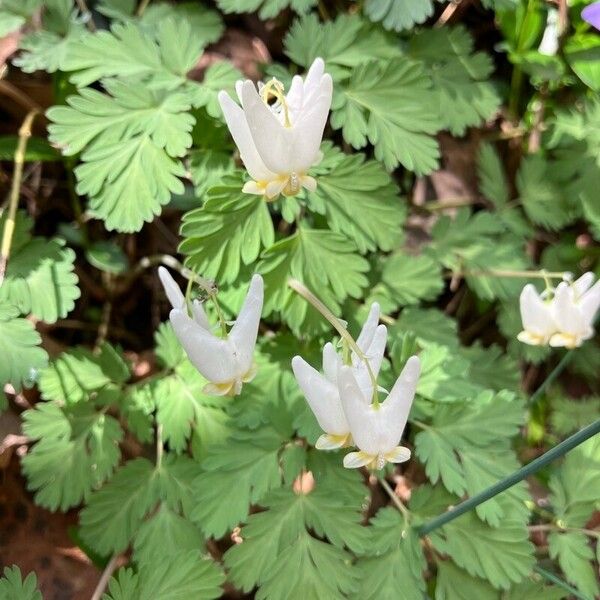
(591, 14)
(331, 362)
(240, 132)
(567, 315)
(355, 460)
(590, 302)
(583, 284)
(322, 397)
(212, 356)
(396, 407)
(363, 341)
(399, 454)
(243, 334)
(536, 314)
(331, 442)
(200, 316)
(172, 290)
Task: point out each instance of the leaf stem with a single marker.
(303, 291)
(394, 498)
(559, 582)
(142, 7)
(558, 369)
(509, 274)
(13, 202)
(87, 15)
(555, 527)
(533, 467)
(105, 577)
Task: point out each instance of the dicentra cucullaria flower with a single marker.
(321, 390)
(377, 428)
(563, 316)
(226, 362)
(280, 142)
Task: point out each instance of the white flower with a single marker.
(377, 428)
(574, 308)
(537, 316)
(564, 319)
(225, 362)
(321, 391)
(549, 44)
(278, 144)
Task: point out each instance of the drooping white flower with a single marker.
(549, 44)
(574, 308)
(321, 390)
(280, 143)
(226, 362)
(537, 316)
(377, 428)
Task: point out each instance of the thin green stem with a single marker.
(394, 498)
(301, 289)
(142, 7)
(510, 274)
(533, 467)
(559, 582)
(558, 369)
(13, 202)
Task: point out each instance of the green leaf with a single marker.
(535, 590)
(542, 199)
(21, 355)
(343, 44)
(453, 583)
(492, 368)
(467, 446)
(77, 450)
(582, 52)
(115, 513)
(38, 149)
(131, 140)
(407, 280)
(268, 8)
(430, 326)
(40, 279)
(575, 486)
(394, 561)
(269, 535)
(502, 556)
(465, 96)
(354, 182)
(15, 13)
(324, 261)
(77, 373)
(251, 459)
(227, 232)
(128, 51)
(575, 558)
(219, 76)
(108, 257)
(399, 14)
(178, 576)
(14, 587)
(492, 179)
(570, 415)
(390, 105)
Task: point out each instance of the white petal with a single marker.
(331, 442)
(308, 182)
(295, 97)
(567, 315)
(238, 127)
(243, 334)
(361, 417)
(212, 356)
(355, 460)
(331, 362)
(274, 142)
(322, 397)
(200, 316)
(536, 314)
(396, 407)
(174, 294)
(374, 354)
(313, 79)
(253, 187)
(399, 454)
(583, 284)
(275, 187)
(590, 302)
(308, 129)
(363, 341)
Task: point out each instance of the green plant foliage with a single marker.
(467, 447)
(19, 347)
(267, 9)
(277, 541)
(349, 182)
(399, 14)
(460, 77)
(14, 587)
(77, 449)
(394, 562)
(323, 261)
(175, 576)
(228, 231)
(502, 556)
(15, 13)
(569, 415)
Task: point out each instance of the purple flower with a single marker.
(591, 14)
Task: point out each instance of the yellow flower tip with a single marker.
(532, 339)
(332, 442)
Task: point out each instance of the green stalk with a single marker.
(559, 582)
(558, 369)
(533, 467)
